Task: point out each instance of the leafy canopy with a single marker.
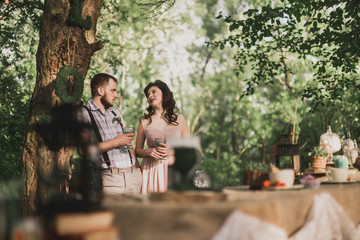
(325, 31)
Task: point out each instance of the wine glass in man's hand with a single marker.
(127, 130)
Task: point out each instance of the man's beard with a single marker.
(105, 102)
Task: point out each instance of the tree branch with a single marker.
(96, 46)
(283, 60)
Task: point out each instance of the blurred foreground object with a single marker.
(187, 161)
(77, 224)
(309, 181)
(78, 213)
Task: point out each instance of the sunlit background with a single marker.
(140, 46)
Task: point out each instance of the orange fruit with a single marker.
(266, 183)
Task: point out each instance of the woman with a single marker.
(161, 120)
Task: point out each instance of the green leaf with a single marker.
(219, 16)
(233, 26)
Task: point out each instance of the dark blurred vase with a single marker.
(186, 159)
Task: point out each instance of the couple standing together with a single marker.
(120, 170)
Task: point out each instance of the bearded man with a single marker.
(120, 169)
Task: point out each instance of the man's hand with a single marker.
(124, 139)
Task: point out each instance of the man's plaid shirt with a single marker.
(108, 129)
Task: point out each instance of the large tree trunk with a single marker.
(59, 45)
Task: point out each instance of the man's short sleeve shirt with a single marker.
(109, 127)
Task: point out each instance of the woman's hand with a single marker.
(163, 150)
(159, 152)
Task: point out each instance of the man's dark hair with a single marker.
(99, 80)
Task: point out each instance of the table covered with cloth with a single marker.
(330, 212)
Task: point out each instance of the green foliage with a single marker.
(61, 83)
(10, 200)
(298, 50)
(268, 66)
(226, 172)
(131, 30)
(321, 30)
(75, 18)
(13, 113)
(11, 190)
(263, 39)
(229, 171)
(17, 71)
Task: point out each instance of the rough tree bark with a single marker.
(59, 45)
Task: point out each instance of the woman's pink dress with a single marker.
(155, 172)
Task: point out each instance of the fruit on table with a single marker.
(267, 184)
(280, 184)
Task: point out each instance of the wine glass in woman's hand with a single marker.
(158, 142)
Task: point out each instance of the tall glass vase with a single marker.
(330, 142)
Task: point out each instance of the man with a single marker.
(120, 169)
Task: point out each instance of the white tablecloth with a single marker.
(326, 221)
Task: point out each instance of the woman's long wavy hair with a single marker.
(168, 103)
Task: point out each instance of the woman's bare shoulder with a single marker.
(144, 121)
(181, 117)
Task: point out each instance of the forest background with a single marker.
(240, 81)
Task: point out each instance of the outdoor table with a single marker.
(200, 214)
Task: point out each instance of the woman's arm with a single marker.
(185, 132)
(139, 149)
(140, 140)
(137, 164)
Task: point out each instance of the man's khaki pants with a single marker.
(121, 180)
